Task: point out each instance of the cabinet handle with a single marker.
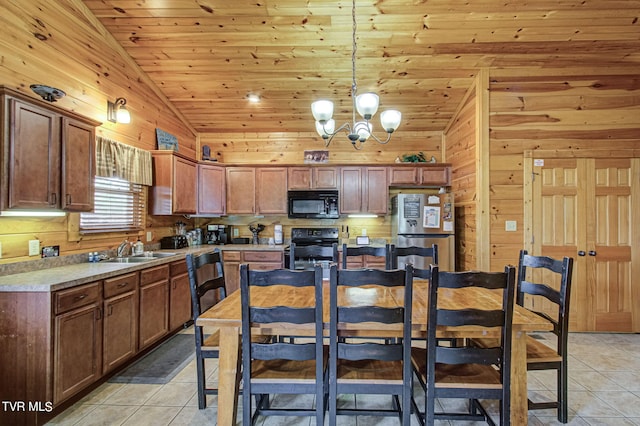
(110, 310)
(54, 198)
(581, 253)
(123, 284)
(592, 253)
(80, 297)
(99, 312)
(68, 199)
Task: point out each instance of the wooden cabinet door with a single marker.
(120, 329)
(401, 176)
(231, 261)
(350, 190)
(34, 157)
(180, 301)
(325, 177)
(154, 312)
(299, 178)
(78, 159)
(435, 176)
(271, 190)
(375, 190)
(77, 350)
(211, 189)
(588, 208)
(241, 190)
(185, 191)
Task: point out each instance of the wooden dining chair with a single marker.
(357, 367)
(466, 371)
(429, 255)
(206, 281)
(532, 270)
(380, 251)
(275, 366)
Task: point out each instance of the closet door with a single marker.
(588, 208)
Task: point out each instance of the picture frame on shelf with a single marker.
(316, 156)
(166, 141)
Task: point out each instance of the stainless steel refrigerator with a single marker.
(423, 219)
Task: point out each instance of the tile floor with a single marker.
(604, 389)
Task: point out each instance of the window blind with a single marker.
(119, 206)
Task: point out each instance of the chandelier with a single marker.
(366, 104)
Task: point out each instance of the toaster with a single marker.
(174, 242)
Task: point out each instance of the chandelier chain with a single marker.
(354, 48)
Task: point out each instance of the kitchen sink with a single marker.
(138, 259)
(157, 255)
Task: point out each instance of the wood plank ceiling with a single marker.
(420, 56)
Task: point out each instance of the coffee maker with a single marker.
(217, 234)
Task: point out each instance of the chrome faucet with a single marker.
(123, 249)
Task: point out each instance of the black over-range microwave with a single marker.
(313, 204)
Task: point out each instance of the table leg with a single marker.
(228, 375)
(519, 408)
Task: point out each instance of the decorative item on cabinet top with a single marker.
(48, 93)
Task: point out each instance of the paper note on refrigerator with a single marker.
(447, 226)
(433, 199)
(431, 217)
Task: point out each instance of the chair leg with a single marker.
(202, 397)
(562, 393)
(246, 405)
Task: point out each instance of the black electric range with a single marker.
(311, 236)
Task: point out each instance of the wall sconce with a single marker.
(117, 112)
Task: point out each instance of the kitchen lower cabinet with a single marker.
(77, 339)
(120, 320)
(257, 260)
(179, 295)
(154, 305)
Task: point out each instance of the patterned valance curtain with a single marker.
(115, 159)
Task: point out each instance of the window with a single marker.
(119, 206)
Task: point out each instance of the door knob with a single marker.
(581, 253)
(592, 253)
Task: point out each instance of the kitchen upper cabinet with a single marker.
(271, 193)
(420, 175)
(47, 156)
(301, 178)
(211, 189)
(364, 190)
(241, 190)
(256, 190)
(174, 184)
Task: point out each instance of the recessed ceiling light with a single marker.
(253, 98)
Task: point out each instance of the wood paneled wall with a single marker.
(61, 44)
(288, 148)
(460, 148)
(561, 110)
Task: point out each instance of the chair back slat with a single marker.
(379, 277)
(488, 280)
(282, 314)
(455, 355)
(294, 352)
(360, 351)
(479, 317)
(425, 252)
(316, 252)
(366, 251)
(543, 290)
(371, 314)
(206, 274)
(281, 277)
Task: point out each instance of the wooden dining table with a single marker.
(226, 316)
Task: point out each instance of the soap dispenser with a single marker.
(138, 247)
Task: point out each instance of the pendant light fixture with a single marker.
(366, 104)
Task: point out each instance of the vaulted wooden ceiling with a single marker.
(420, 56)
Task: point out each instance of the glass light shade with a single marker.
(322, 110)
(326, 130)
(367, 104)
(390, 120)
(122, 115)
(363, 129)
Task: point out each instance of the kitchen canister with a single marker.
(277, 234)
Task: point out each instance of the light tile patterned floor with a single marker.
(604, 389)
